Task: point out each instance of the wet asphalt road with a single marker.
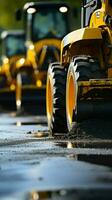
(34, 165)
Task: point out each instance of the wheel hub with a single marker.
(70, 99)
(49, 99)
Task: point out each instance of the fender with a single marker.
(79, 39)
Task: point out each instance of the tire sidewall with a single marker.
(49, 78)
(71, 72)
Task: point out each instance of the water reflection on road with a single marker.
(34, 165)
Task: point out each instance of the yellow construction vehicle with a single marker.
(80, 87)
(13, 48)
(45, 25)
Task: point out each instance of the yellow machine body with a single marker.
(8, 66)
(36, 61)
(90, 41)
(43, 44)
(37, 49)
(86, 63)
(94, 40)
(79, 42)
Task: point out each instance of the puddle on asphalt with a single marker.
(105, 160)
(69, 195)
(64, 195)
(97, 144)
(97, 158)
(20, 123)
(25, 123)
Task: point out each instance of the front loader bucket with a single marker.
(29, 96)
(33, 99)
(7, 98)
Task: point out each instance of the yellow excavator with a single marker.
(46, 23)
(12, 45)
(80, 87)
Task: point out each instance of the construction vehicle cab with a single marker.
(45, 25)
(43, 34)
(13, 48)
(86, 68)
(12, 44)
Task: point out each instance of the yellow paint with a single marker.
(75, 43)
(96, 41)
(49, 98)
(12, 87)
(47, 42)
(39, 83)
(18, 91)
(71, 97)
(35, 48)
(96, 82)
(81, 34)
(22, 62)
(42, 56)
(6, 60)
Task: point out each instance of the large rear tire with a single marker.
(56, 99)
(82, 68)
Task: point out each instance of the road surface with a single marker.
(34, 165)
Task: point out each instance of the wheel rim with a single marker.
(70, 99)
(49, 99)
(18, 92)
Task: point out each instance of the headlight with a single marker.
(63, 9)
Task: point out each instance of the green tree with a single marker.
(8, 8)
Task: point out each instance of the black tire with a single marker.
(82, 68)
(87, 67)
(56, 77)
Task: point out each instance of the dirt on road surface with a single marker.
(34, 165)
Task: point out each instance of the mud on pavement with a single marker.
(35, 165)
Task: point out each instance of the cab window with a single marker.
(49, 23)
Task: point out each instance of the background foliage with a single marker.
(8, 8)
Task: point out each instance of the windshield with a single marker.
(14, 45)
(49, 23)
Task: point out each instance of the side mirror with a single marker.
(18, 14)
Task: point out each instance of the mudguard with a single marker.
(78, 36)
